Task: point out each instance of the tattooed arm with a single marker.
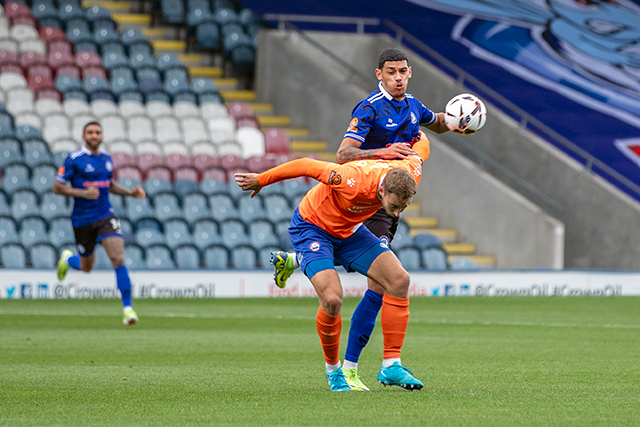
(350, 150)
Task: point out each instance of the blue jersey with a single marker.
(84, 169)
(380, 120)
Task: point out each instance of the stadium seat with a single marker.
(402, 238)
(8, 231)
(167, 207)
(244, 257)
(160, 172)
(147, 161)
(122, 160)
(95, 84)
(167, 61)
(74, 107)
(159, 109)
(148, 223)
(16, 177)
(177, 233)
(176, 161)
(138, 208)
(463, 264)
(277, 207)
(277, 141)
(61, 232)
(78, 123)
(159, 258)
(262, 233)
(131, 108)
(214, 174)
(54, 206)
(102, 259)
(69, 10)
(222, 207)
(43, 176)
(216, 257)
(140, 128)
(409, 256)
(251, 140)
(194, 131)
(102, 108)
(149, 80)
(213, 186)
(205, 233)
(33, 230)
(207, 35)
(434, 258)
(132, 36)
(182, 187)
(19, 100)
(43, 255)
(153, 186)
(203, 162)
(222, 129)
(88, 59)
(187, 257)
(13, 255)
(212, 110)
(240, 50)
(426, 240)
(195, 207)
(120, 147)
(149, 236)
(134, 257)
(250, 210)
(33, 62)
(172, 11)
(10, 151)
(233, 233)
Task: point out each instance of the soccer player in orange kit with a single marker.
(327, 226)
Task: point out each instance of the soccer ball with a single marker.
(465, 114)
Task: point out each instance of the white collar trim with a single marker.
(384, 92)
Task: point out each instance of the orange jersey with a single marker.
(348, 193)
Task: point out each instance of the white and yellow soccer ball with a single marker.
(465, 114)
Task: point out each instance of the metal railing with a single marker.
(346, 20)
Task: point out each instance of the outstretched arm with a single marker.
(300, 167)
(349, 150)
(438, 126)
(137, 192)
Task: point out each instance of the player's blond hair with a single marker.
(401, 183)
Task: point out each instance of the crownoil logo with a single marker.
(335, 178)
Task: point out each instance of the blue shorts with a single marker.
(316, 249)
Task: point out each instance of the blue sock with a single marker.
(124, 284)
(362, 323)
(74, 262)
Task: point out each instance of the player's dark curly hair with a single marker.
(401, 183)
(391, 55)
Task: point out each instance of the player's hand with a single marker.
(422, 135)
(248, 181)
(91, 193)
(138, 192)
(394, 151)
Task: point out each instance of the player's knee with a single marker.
(86, 267)
(332, 304)
(117, 261)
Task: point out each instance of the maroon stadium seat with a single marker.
(277, 141)
(203, 162)
(59, 58)
(231, 161)
(87, 59)
(215, 174)
(40, 70)
(159, 172)
(8, 57)
(60, 45)
(128, 172)
(24, 20)
(174, 161)
(239, 110)
(49, 34)
(16, 8)
(49, 93)
(147, 161)
(70, 70)
(187, 173)
(40, 82)
(249, 122)
(94, 71)
(258, 164)
(29, 59)
(11, 68)
(121, 160)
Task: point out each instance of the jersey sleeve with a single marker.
(362, 119)
(300, 167)
(423, 147)
(427, 116)
(66, 171)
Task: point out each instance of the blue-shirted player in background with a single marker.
(383, 126)
(89, 171)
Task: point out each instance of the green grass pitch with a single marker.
(227, 362)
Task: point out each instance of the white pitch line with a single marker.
(280, 317)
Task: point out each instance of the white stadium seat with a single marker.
(113, 128)
(121, 147)
(148, 147)
(34, 45)
(23, 32)
(9, 44)
(140, 128)
(211, 110)
(229, 147)
(10, 81)
(46, 106)
(19, 100)
(157, 109)
(65, 145)
(175, 147)
(74, 107)
(31, 119)
(222, 129)
(167, 130)
(204, 148)
(194, 130)
(251, 140)
(104, 107)
(184, 109)
(132, 108)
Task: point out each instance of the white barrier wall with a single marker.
(196, 284)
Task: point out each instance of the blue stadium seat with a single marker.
(43, 178)
(262, 233)
(36, 153)
(195, 207)
(33, 230)
(139, 208)
(240, 49)
(79, 32)
(402, 237)
(148, 237)
(198, 4)
(43, 255)
(44, 9)
(207, 35)
(244, 257)
(5, 207)
(426, 240)
(105, 35)
(148, 224)
(122, 84)
(95, 84)
(16, 177)
(277, 207)
(102, 259)
(209, 98)
(264, 256)
(132, 36)
(201, 86)
(155, 186)
(143, 48)
(174, 86)
(463, 264)
(435, 259)
(225, 16)
(112, 60)
(149, 80)
(6, 126)
(70, 11)
(186, 97)
(205, 234)
(167, 61)
(296, 187)
(275, 188)
(251, 209)
(233, 233)
(10, 152)
(28, 132)
(172, 11)
(54, 205)
(139, 60)
(85, 46)
(13, 255)
(61, 232)
(198, 15)
(409, 256)
(112, 47)
(182, 187)
(187, 257)
(211, 187)
(24, 203)
(222, 207)
(176, 233)
(76, 94)
(95, 13)
(159, 258)
(134, 257)
(50, 22)
(132, 96)
(65, 84)
(8, 231)
(216, 257)
(128, 183)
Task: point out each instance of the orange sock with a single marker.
(329, 329)
(394, 320)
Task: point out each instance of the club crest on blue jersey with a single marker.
(314, 246)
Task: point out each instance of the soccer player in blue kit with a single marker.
(383, 126)
(89, 170)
